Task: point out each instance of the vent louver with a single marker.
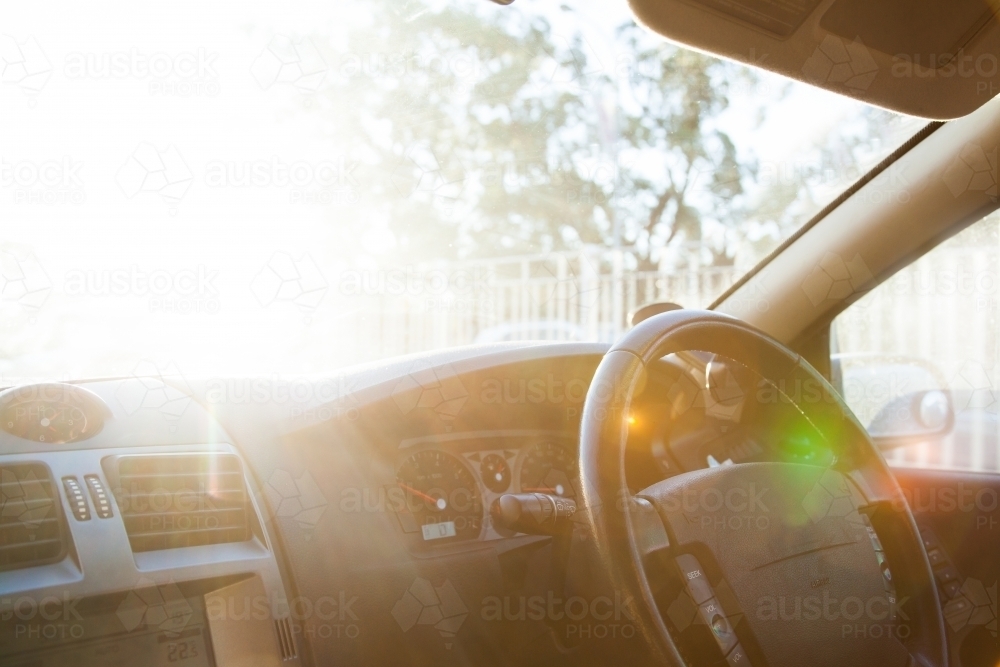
(286, 639)
(31, 524)
(182, 500)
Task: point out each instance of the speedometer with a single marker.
(549, 467)
(442, 495)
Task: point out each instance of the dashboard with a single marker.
(337, 520)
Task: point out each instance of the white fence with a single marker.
(554, 297)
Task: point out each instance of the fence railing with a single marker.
(574, 297)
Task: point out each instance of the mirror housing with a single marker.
(915, 417)
(926, 58)
(901, 400)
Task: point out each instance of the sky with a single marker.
(115, 184)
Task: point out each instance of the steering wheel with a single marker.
(778, 564)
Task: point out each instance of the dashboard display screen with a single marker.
(437, 531)
(153, 649)
(139, 629)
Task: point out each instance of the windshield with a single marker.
(245, 189)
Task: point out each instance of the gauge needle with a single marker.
(420, 494)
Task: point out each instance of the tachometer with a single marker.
(442, 495)
(551, 468)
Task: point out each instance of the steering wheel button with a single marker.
(694, 578)
(737, 657)
(929, 538)
(947, 574)
(952, 588)
(712, 615)
(936, 557)
(873, 536)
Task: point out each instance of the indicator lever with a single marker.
(533, 513)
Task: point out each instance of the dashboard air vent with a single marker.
(181, 500)
(286, 639)
(31, 524)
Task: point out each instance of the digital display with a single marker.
(145, 648)
(165, 631)
(437, 531)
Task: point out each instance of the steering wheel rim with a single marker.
(628, 529)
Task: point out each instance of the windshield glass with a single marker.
(239, 188)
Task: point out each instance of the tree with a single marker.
(483, 131)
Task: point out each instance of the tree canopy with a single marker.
(484, 132)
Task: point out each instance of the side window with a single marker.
(918, 359)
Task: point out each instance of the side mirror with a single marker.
(906, 420)
(901, 400)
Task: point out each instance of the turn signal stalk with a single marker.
(533, 513)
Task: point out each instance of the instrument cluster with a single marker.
(448, 489)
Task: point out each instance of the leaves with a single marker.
(489, 132)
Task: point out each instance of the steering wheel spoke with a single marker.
(650, 534)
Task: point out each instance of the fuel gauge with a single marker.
(495, 472)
